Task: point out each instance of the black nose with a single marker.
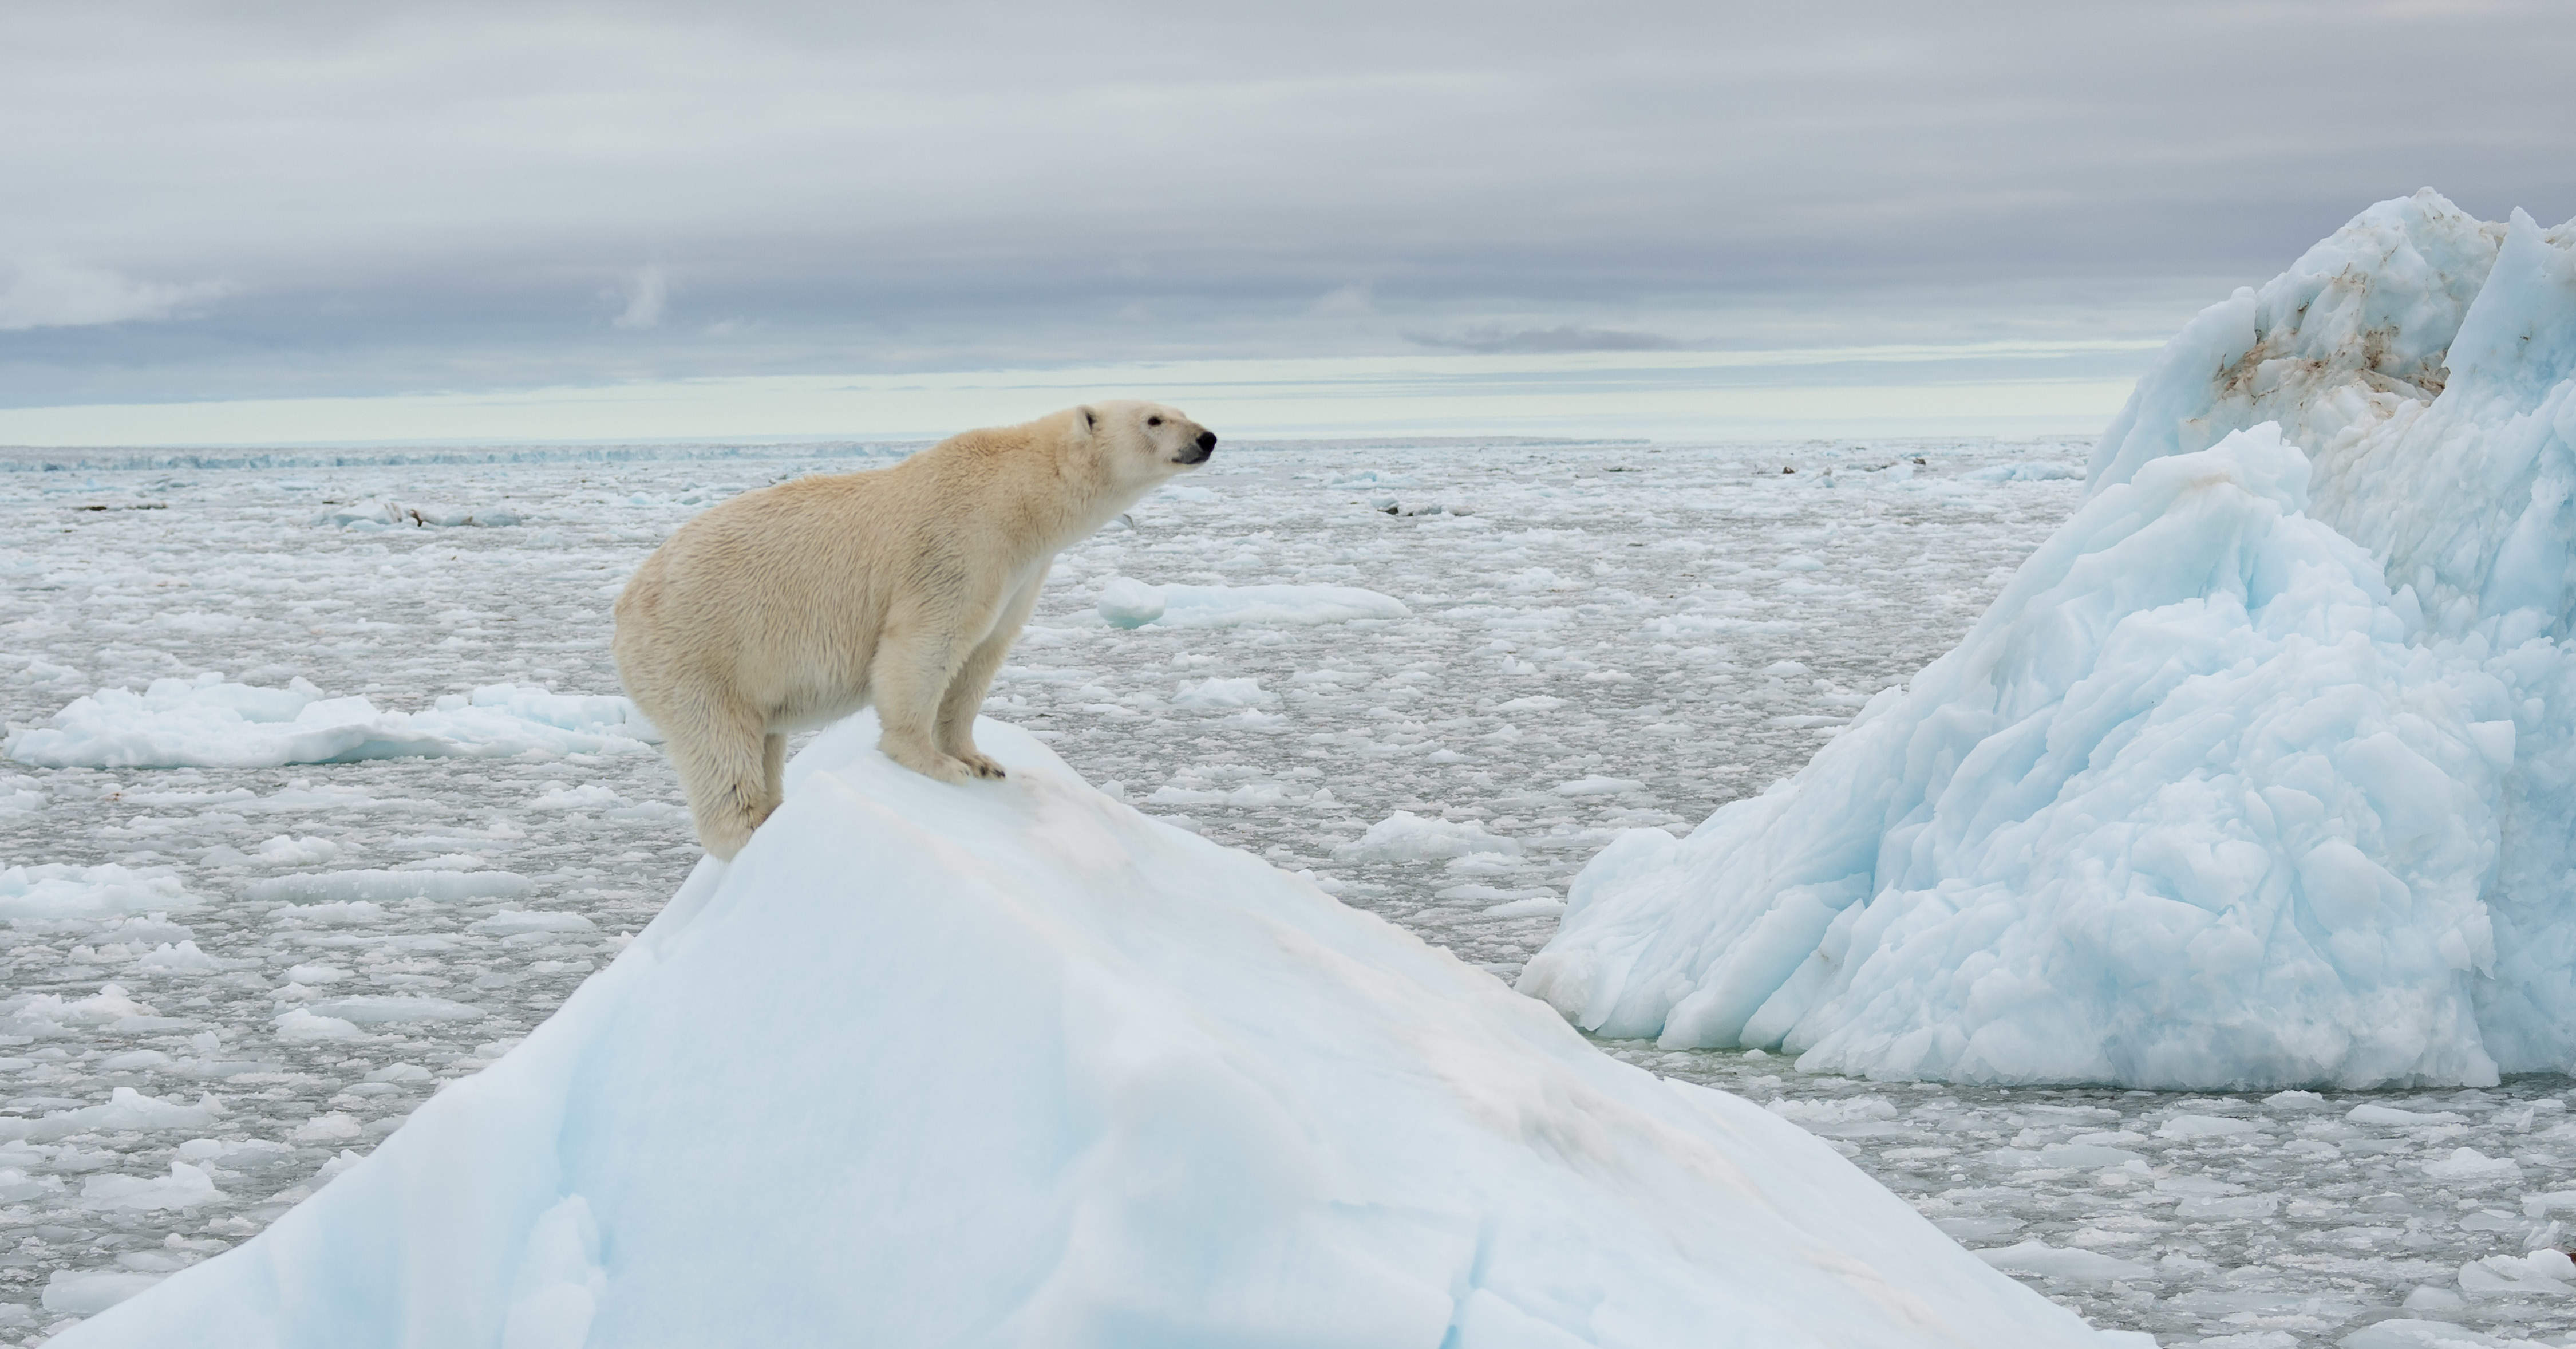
(1207, 440)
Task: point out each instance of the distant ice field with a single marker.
(219, 979)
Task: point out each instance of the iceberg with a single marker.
(2260, 772)
(1012, 1064)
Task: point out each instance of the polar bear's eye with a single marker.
(1153, 421)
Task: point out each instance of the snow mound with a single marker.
(208, 723)
(1205, 1105)
(1129, 603)
(2260, 772)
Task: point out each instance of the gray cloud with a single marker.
(438, 195)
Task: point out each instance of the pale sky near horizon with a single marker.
(299, 221)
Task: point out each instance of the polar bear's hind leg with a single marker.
(729, 768)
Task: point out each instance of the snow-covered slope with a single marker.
(1013, 1064)
(2262, 771)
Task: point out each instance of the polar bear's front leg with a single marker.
(965, 694)
(912, 669)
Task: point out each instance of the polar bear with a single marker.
(900, 587)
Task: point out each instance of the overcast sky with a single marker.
(267, 205)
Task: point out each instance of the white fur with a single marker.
(902, 587)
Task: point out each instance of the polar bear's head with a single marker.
(1148, 441)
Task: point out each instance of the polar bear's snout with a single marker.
(1200, 449)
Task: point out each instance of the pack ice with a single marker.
(1014, 1064)
(2259, 773)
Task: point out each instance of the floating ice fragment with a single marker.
(1128, 603)
(184, 1188)
(393, 1009)
(2371, 1112)
(2472, 1167)
(2537, 1272)
(1407, 837)
(1599, 786)
(325, 1128)
(512, 922)
(125, 1108)
(299, 1024)
(208, 723)
(59, 898)
(2041, 1260)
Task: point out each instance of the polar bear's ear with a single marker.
(1090, 419)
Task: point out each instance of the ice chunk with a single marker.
(208, 723)
(2252, 775)
(1599, 786)
(1255, 1117)
(184, 1188)
(184, 958)
(2041, 1260)
(2471, 1167)
(300, 1024)
(2372, 1112)
(513, 922)
(392, 1009)
(1128, 603)
(1222, 695)
(1407, 837)
(2535, 1272)
(58, 898)
(125, 1108)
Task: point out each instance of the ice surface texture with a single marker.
(2258, 773)
(1211, 1106)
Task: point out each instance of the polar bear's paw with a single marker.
(980, 764)
(928, 761)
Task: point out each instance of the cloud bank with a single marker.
(437, 197)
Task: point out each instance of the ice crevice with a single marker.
(2260, 772)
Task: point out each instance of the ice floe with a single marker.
(1209, 1105)
(208, 722)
